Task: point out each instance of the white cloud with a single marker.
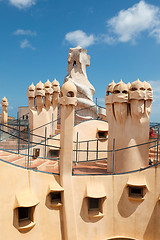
(156, 33)
(25, 32)
(21, 4)
(80, 38)
(125, 27)
(106, 39)
(128, 24)
(25, 44)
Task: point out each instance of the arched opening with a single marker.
(70, 94)
(116, 91)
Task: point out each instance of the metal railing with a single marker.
(154, 160)
(90, 150)
(86, 151)
(152, 144)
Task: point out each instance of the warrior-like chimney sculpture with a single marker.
(78, 60)
(128, 108)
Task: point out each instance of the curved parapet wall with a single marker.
(31, 189)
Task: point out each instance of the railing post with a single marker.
(52, 124)
(17, 121)
(157, 143)
(77, 148)
(96, 108)
(97, 151)
(45, 142)
(113, 153)
(107, 150)
(28, 165)
(19, 128)
(87, 149)
(0, 132)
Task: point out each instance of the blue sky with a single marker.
(122, 37)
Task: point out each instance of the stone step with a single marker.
(3, 153)
(92, 163)
(10, 140)
(21, 162)
(154, 149)
(154, 155)
(54, 169)
(81, 169)
(35, 164)
(48, 164)
(101, 164)
(43, 165)
(15, 146)
(51, 164)
(7, 146)
(11, 158)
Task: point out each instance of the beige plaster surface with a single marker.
(23, 111)
(47, 220)
(123, 217)
(129, 218)
(4, 114)
(88, 131)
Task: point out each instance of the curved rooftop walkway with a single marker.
(52, 166)
(10, 154)
(98, 167)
